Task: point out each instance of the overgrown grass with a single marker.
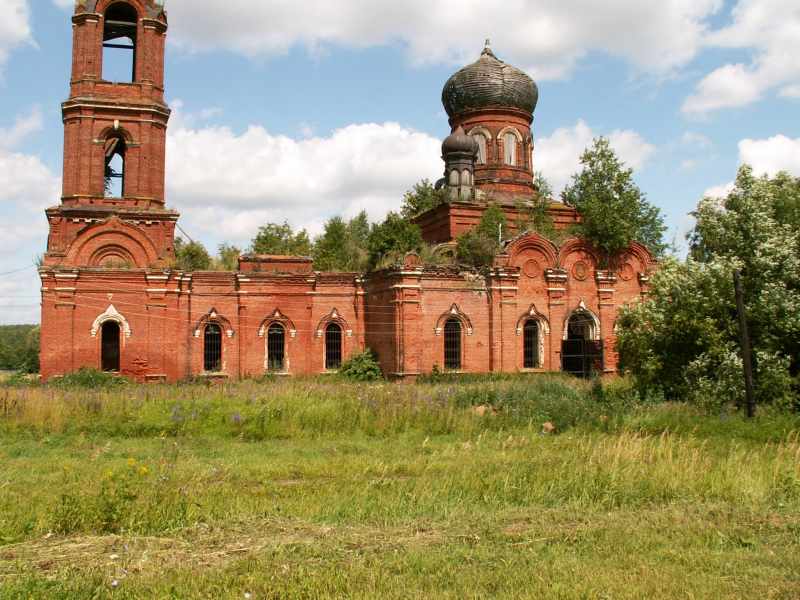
(312, 488)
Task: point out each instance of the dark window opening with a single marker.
(452, 345)
(333, 347)
(109, 342)
(115, 150)
(531, 345)
(212, 349)
(119, 43)
(276, 348)
(581, 354)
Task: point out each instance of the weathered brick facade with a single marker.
(111, 299)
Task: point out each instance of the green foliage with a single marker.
(342, 246)
(19, 348)
(543, 187)
(227, 258)
(89, 379)
(191, 256)
(392, 239)
(685, 339)
(478, 247)
(362, 367)
(281, 240)
(422, 198)
(615, 211)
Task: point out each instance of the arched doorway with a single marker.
(582, 350)
(110, 347)
(333, 347)
(530, 345)
(452, 345)
(276, 348)
(212, 349)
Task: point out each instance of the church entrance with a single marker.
(109, 342)
(581, 353)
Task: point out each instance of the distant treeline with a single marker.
(19, 348)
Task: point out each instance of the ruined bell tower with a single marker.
(112, 212)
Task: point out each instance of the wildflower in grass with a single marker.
(236, 418)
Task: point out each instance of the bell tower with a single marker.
(112, 210)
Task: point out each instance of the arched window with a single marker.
(333, 347)
(114, 184)
(581, 327)
(510, 148)
(110, 343)
(531, 345)
(119, 43)
(276, 348)
(212, 348)
(482, 155)
(452, 345)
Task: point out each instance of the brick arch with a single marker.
(574, 246)
(113, 236)
(103, 5)
(582, 309)
(333, 317)
(533, 241)
(111, 314)
(213, 316)
(533, 314)
(510, 129)
(454, 313)
(277, 317)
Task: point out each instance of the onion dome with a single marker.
(489, 83)
(459, 141)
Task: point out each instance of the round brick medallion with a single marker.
(532, 269)
(580, 271)
(626, 273)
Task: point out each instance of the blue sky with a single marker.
(301, 111)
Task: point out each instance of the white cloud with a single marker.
(228, 184)
(767, 157)
(15, 27)
(27, 187)
(558, 155)
(548, 38)
(696, 140)
(771, 30)
(778, 153)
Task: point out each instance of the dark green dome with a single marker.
(489, 83)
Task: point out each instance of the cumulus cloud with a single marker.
(234, 182)
(767, 157)
(27, 187)
(15, 27)
(771, 155)
(558, 155)
(771, 30)
(549, 37)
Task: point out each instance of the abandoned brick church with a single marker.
(112, 300)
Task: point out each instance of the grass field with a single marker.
(314, 489)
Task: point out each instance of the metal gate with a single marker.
(582, 358)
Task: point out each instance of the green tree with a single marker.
(478, 247)
(281, 240)
(343, 246)
(191, 256)
(614, 211)
(543, 186)
(422, 198)
(391, 239)
(227, 257)
(684, 340)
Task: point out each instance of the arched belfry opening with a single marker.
(114, 175)
(119, 43)
(582, 349)
(110, 347)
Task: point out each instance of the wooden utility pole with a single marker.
(747, 354)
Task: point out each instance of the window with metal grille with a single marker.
(531, 344)
(109, 351)
(212, 348)
(452, 345)
(119, 43)
(276, 348)
(333, 347)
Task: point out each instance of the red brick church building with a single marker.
(112, 300)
